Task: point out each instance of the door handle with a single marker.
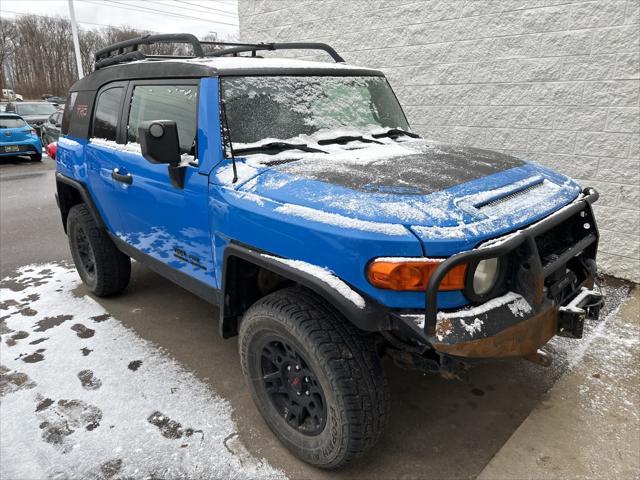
(118, 177)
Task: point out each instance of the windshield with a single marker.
(35, 109)
(11, 122)
(284, 107)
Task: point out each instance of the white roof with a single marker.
(245, 62)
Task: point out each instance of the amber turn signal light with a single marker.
(413, 275)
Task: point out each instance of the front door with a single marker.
(168, 224)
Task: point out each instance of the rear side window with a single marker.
(105, 120)
(11, 122)
(68, 108)
(165, 102)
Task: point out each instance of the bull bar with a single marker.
(531, 283)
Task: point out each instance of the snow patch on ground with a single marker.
(326, 276)
(85, 397)
(610, 343)
(341, 221)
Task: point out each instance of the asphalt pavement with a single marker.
(30, 226)
(437, 428)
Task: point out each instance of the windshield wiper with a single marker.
(395, 133)
(272, 148)
(344, 139)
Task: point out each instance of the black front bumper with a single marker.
(546, 266)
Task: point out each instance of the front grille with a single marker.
(499, 201)
(555, 241)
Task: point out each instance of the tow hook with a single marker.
(540, 357)
(586, 304)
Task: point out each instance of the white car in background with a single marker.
(9, 95)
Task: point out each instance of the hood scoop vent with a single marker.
(489, 206)
(508, 198)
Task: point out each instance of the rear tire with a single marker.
(103, 268)
(314, 377)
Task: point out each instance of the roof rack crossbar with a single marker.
(120, 52)
(278, 46)
(230, 44)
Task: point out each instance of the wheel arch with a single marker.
(71, 192)
(240, 289)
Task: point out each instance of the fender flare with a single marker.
(372, 318)
(84, 195)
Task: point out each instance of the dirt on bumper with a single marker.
(520, 339)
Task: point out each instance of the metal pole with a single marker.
(76, 42)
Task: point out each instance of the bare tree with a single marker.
(36, 52)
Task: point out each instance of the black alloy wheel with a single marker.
(293, 387)
(85, 251)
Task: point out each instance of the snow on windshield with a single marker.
(285, 107)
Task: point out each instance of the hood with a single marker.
(448, 195)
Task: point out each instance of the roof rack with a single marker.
(128, 51)
(278, 46)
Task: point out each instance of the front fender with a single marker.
(371, 316)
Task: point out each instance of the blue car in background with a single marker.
(18, 138)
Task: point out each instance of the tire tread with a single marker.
(351, 354)
(113, 268)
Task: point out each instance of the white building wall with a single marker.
(554, 81)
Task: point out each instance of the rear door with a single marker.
(102, 149)
(168, 224)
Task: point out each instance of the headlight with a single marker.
(485, 276)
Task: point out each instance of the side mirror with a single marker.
(159, 144)
(159, 141)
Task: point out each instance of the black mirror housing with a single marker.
(159, 141)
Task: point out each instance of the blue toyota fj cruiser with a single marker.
(294, 196)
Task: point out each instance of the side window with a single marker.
(68, 108)
(105, 120)
(165, 102)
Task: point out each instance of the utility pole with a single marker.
(76, 42)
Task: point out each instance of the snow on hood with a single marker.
(444, 191)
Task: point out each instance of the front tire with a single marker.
(315, 378)
(103, 268)
(37, 157)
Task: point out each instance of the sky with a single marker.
(199, 17)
